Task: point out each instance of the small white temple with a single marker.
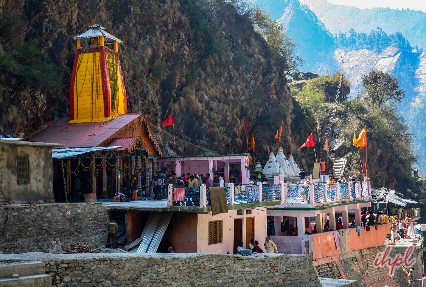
(280, 166)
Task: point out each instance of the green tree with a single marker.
(381, 88)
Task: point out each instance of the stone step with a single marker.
(42, 280)
(331, 282)
(21, 268)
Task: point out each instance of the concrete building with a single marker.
(26, 171)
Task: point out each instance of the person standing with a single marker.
(134, 185)
(270, 246)
(112, 234)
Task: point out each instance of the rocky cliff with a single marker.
(200, 60)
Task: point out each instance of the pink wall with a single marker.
(183, 232)
(324, 244)
(227, 245)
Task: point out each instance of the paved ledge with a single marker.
(330, 282)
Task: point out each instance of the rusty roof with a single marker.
(83, 134)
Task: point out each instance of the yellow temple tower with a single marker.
(97, 92)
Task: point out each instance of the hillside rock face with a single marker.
(200, 60)
(360, 49)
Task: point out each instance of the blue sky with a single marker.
(398, 4)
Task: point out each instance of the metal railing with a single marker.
(293, 194)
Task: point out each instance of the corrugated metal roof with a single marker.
(125, 144)
(82, 134)
(58, 153)
(97, 30)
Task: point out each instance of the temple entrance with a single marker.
(238, 233)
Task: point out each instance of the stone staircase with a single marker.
(339, 166)
(153, 233)
(28, 274)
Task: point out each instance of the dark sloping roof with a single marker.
(82, 134)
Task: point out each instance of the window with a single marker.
(215, 231)
(23, 170)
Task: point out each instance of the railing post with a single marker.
(326, 192)
(170, 195)
(338, 192)
(283, 191)
(369, 189)
(311, 194)
(259, 189)
(359, 190)
(203, 196)
(232, 192)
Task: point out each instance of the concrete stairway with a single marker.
(153, 232)
(28, 274)
(339, 166)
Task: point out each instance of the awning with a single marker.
(59, 153)
(125, 143)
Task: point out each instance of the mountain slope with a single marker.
(356, 53)
(315, 44)
(200, 60)
(341, 19)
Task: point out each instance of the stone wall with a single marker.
(40, 172)
(51, 227)
(131, 270)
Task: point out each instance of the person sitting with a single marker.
(239, 248)
(256, 248)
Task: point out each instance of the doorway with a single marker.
(249, 230)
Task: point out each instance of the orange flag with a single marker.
(253, 143)
(362, 138)
(354, 140)
(326, 145)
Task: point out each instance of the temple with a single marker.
(103, 145)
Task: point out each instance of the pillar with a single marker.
(139, 170)
(93, 174)
(118, 174)
(132, 164)
(203, 196)
(211, 168)
(232, 192)
(170, 195)
(300, 226)
(259, 189)
(226, 172)
(104, 179)
(78, 42)
(311, 194)
(178, 168)
(332, 218)
(115, 46)
(283, 191)
(243, 171)
(345, 217)
(318, 222)
(69, 177)
(358, 217)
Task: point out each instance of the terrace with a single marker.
(282, 195)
